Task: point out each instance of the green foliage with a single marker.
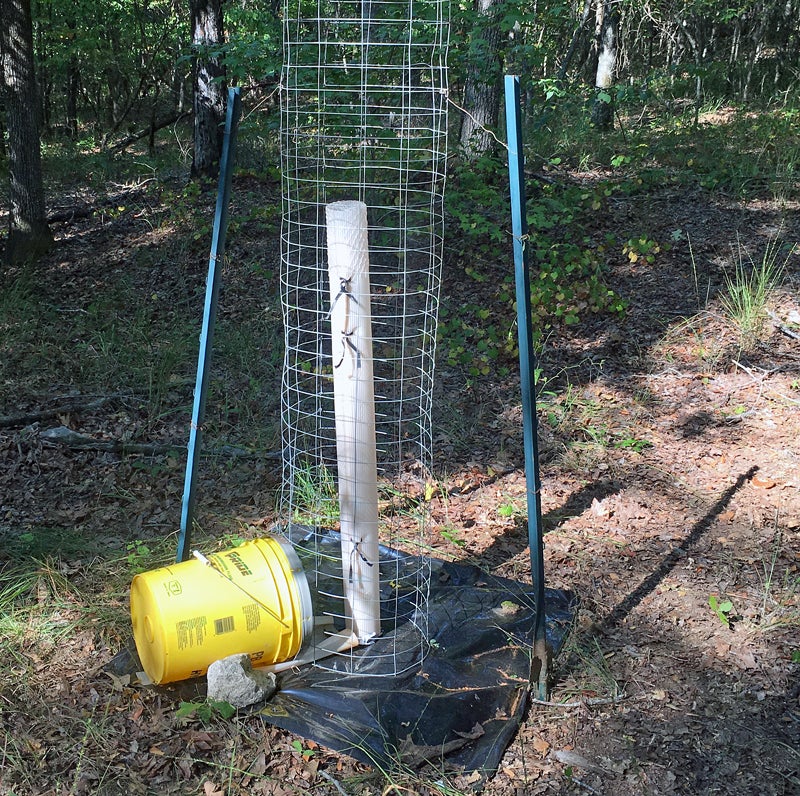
(453, 535)
(567, 265)
(139, 556)
(314, 493)
(722, 610)
(642, 249)
(633, 443)
(306, 753)
(253, 46)
(749, 290)
(506, 509)
(126, 55)
(473, 338)
(40, 542)
(205, 712)
(732, 150)
(476, 201)
(509, 508)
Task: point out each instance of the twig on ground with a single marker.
(72, 439)
(782, 327)
(581, 702)
(78, 404)
(786, 397)
(335, 782)
(760, 380)
(70, 214)
(584, 785)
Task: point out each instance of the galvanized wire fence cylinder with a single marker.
(363, 118)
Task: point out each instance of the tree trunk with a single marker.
(209, 88)
(577, 36)
(28, 235)
(73, 84)
(603, 108)
(482, 85)
(3, 153)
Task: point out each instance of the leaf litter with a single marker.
(652, 694)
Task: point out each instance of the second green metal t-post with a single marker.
(209, 316)
(527, 363)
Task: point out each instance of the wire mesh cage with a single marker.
(363, 132)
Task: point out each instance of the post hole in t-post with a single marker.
(363, 134)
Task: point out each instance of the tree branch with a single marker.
(73, 440)
(26, 418)
(133, 137)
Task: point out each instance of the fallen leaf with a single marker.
(212, 789)
(722, 649)
(600, 508)
(413, 754)
(259, 765)
(119, 682)
(310, 769)
(745, 659)
(762, 482)
(476, 732)
(574, 759)
(541, 746)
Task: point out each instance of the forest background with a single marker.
(662, 161)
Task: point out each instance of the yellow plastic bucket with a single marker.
(253, 599)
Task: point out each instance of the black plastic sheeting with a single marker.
(458, 707)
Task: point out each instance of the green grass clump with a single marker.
(749, 289)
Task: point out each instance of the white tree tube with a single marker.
(354, 406)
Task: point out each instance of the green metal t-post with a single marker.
(527, 365)
(209, 316)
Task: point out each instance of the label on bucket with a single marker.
(252, 616)
(232, 564)
(191, 631)
(224, 625)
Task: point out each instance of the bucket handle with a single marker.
(209, 563)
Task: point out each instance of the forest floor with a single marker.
(670, 477)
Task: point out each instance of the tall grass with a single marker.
(749, 289)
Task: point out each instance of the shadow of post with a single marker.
(676, 554)
(515, 540)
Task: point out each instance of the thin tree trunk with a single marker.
(3, 153)
(28, 236)
(603, 107)
(482, 85)
(209, 88)
(73, 83)
(698, 60)
(45, 79)
(576, 38)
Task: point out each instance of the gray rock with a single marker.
(234, 680)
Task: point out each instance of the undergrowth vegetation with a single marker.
(572, 176)
(750, 286)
